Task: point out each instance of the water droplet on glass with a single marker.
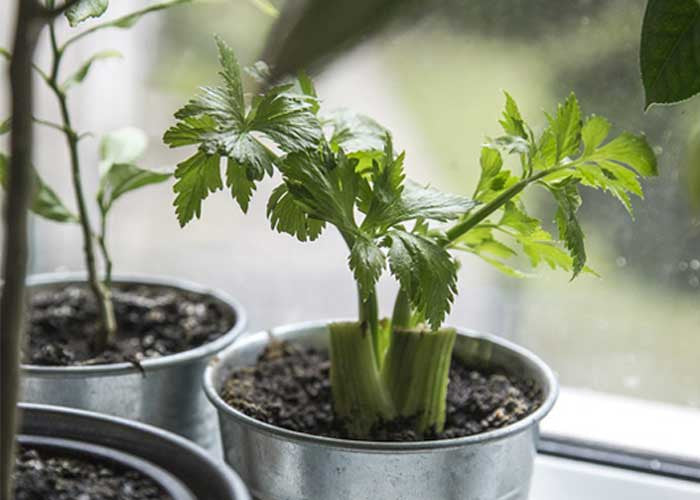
(682, 266)
(694, 281)
(658, 150)
(654, 464)
(621, 261)
(585, 20)
(695, 264)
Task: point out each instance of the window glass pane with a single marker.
(437, 82)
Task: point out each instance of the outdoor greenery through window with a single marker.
(436, 80)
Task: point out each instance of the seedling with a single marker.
(342, 170)
(118, 152)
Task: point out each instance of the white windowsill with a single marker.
(625, 422)
(562, 479)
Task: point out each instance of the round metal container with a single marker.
(167, 393)
(184, 470)
(278, 464)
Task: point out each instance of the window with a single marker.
(624, 345)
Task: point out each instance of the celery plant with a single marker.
(341, 170)
(118, 150)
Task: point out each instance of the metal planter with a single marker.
(278, 464)
(181, 468)
(167, 394)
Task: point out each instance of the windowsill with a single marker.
(625, 422)
(559, 478)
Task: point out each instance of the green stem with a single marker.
(416, 372)
(100, 291)
(369, 316)
(463, 226)
(401, 318)
(359, 396)
(468, 223)
(368, 310)
(102, 241)
(123, 21)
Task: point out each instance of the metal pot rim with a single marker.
(86, 450)
(219, 361)
(234, 482)
(151, 364)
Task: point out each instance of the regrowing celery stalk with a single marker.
(340, 169)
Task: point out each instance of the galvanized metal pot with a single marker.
(278, 464)
(166, 394)
(184, 470)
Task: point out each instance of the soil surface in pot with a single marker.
(43, 475)
(153, 321)
(290, 387)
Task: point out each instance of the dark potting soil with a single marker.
(42, 475)
(290, 387)
(153, 321)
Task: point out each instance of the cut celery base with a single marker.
(415, 373)
(359, 395)
(409, 381)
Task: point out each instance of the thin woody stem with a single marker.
(30, 21)
(101, 292)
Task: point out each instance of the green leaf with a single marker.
(418, 202)
(353, 132)
(85, 9)
(512, 122)
(496, 248)
(503, 267)
(367, 263)
(5, 53)
(197, 176)
(390, 201)
(426, 272)
(562, 138)
(491, 163)
(286, 216)
(510, 144)
(613, 178)
(612, 166)
(83, 71)
(541, 248)
(630, 150)
(595, 130)
(241, 187)
(218, 122)
(324, 185)
(566, 128)
(5, 126)
(567, 196)
(125, 145)
(669, 51)
(286, 118)
(121, 178)
(308, 88)
(365, 161)
(45, 201)
(515, 217)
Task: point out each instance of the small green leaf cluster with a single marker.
(341, 169)
(220, 123)
(571, 152)
(119, 150)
